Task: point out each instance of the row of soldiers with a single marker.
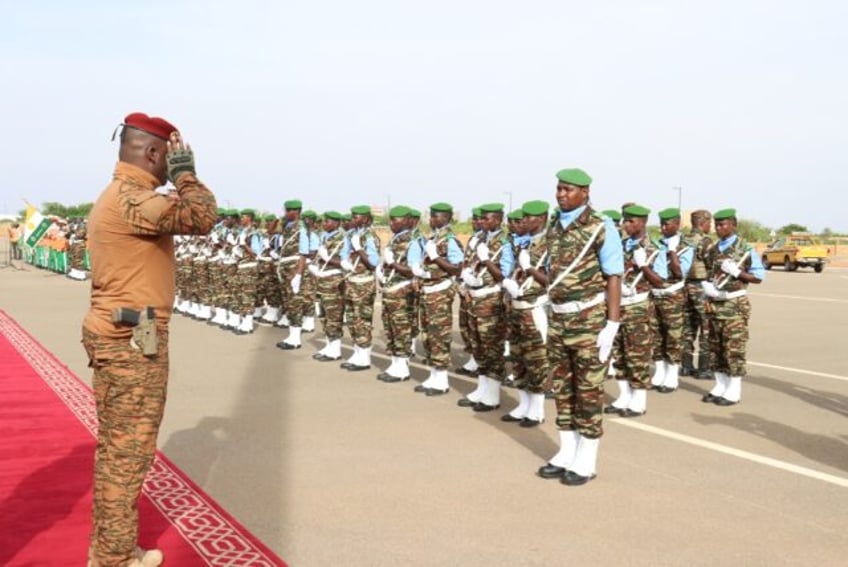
(570, 289)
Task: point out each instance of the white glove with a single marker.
(295, 283)
(420, 272)
(346, 265)
(511, 287)
(640, 257)
(673, 243)
(378, 271)
(431, 250)
(483, 252)
(322, 253)
(237, 252)
(606, 339)
(356, 242)
(709, 289)
(275, 255)
(524, 260)
(388, 256)
(470, 278)
(627, 291)
(313, 269)
(728, 266)
(231, 238)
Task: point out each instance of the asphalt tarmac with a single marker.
(329, 467)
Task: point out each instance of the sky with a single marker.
(737, 103)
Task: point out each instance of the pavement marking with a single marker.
(804, 297)
(799, 371)
(753, 457)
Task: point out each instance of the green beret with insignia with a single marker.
(398, 212)
(360, 210)
(613, 214)
(292, 204)
(535, 208)
(574, 177)
(414, 213)
(333, 215)
(248, 212)
(492, 208)
(670, 213)
(309, 214)
(636, 211)
(725, 214)
(476, 212)
(517, 214)
(441, 208)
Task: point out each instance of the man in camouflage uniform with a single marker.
(694, 318)
(417, 240)
(470, 255)
(488, 325)
(440, 263)
(76, 251)
(632, 350)
(245, 275)
(219, 237)
(294, 254)
(584, 287)
(395, 277)
(267, 289)
(330, 280)
(528, 318)
(308, 286)
(669, 300)
(732, 264)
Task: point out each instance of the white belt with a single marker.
(247, 265)
(367, 278)
(571, 307)
(634, 299)
(398, 286)
(725, 295)
(265, 259)
(328, 273)
(518, 304)
(198, 259)
(670, 290)
(287, 259)
(484, 291)
(441, 286)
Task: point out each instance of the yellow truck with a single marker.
(794, 251)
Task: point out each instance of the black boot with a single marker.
(704, 372)
(687, 366)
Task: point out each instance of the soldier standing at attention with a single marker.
(669, 303)
(328, 273)
(441, 260)
(694, 318)
(294, 254)
(732, 264)
(308, 286)
(584, 274)
(131, 232)
(417, 241)
(470, 367)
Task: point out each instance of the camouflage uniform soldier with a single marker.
(470, 367)
(244, 280)
(667, 324)
(229, 271)
(219, 240)
(632, 350)
(488, 326)
(584, 272)
(76, 252)
(732, 264)
(294, 253)
(694, 318)
(528, 318)
(361, 256)
(199, 280)
(517, 239)
(395, 277)
(415, 298)
(267, 289)
(308, 286)
(440, 264)
(328, 272)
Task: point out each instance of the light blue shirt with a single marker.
(371, 252)
(506, 260)
(611, 256)
(314, 242)
(521, 241)
(454, 254)
(757, 269)
(257, 243)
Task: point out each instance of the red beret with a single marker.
(151, 124)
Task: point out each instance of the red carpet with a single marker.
(47, 427)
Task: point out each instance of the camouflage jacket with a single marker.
(359, 266)
(495, 242)
(586, 280)
(733, 252)
(290, 239)
(631, 272)
(538, 248)
(700, 243)
(399, 245)
(443, 236)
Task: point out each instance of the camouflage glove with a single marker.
(179, 161)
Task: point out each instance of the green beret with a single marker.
(293, 204)
(574, 177)
(269, 217)
(347, 216)
(492, 208)
(670, 213)
(636, 211)
(360, 210)
(232, 212)
(222, 212)
(333, 215)
(535, 208)
(517, 214)
(613, 214)
(309, 214)
(249, 212)
(476, 212)
(441, 208)
(398, 211)
(414, 213)
(725, 214)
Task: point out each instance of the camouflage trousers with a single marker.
(331, 296)
(309, 292)
(359, 307)
(579, 375)
(728, 322)
(244, 290)
(528, 350)
(632, 348)
(200, 281)
(267, 285)
(397, 321)
(415, 312)
(667, 327)
(464, 327)
(695, 325)
(183, 278)
(129, 392)
(436, 312)
(216, 283)
(229, 275)
(291, 302)
(488, 331)
(76, 256)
